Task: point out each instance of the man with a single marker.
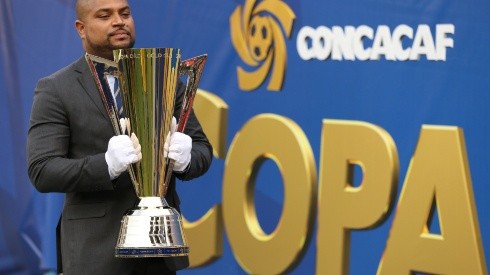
(73, 149)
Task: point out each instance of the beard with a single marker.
(105, 49)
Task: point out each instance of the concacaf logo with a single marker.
(257, 37)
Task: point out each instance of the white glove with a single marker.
(173, 128)
(179, 148)
(122, 150)
(125, 126)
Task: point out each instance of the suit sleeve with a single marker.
(202, 151)
(50, 167)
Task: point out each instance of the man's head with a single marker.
(104, 25)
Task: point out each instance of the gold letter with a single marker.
(277, 138)
(341, 206)
(439, 169)
(212, 113)
(213, 116)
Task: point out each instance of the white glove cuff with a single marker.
(181, 167)
(112, 174)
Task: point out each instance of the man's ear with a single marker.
(80, 26)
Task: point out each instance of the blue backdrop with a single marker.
(443, 83)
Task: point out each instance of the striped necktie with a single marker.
(118, 97)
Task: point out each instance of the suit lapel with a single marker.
(87, 81)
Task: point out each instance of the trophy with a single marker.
(148, 79)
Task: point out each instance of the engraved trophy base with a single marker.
(149, 230)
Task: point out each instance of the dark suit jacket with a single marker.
(67, 140)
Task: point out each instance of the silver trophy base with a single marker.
(152, 229)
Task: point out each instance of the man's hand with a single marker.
(179, 148)
(122, 150)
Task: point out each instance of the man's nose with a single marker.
(118, 19)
